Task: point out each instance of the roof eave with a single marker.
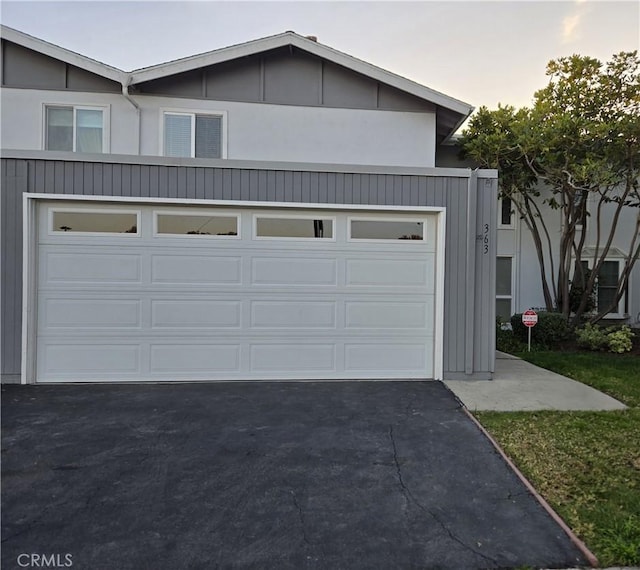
(206, 59)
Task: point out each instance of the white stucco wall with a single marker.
(22, 117)
(253, 131)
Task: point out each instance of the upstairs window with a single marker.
(75, 129)
(506, 213)
(191, 135)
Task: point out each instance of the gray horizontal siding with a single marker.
(188, 182)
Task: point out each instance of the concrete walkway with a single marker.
(521, 386)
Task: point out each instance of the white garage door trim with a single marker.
(31, 248)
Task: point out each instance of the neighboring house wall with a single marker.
(515, 246)
(469, 199)
(518, 242)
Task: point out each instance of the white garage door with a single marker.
(137, 292)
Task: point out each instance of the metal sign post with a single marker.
(529, 320)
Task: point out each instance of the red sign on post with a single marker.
(529, 318)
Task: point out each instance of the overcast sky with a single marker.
(480, 52)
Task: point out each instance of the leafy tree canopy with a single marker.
(578, 142)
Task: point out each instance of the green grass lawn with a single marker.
(586, 464)
(615, 374)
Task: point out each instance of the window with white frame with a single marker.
(193, 135)
(607, 286)
(506, 214)
(504, 291)
(75, 129)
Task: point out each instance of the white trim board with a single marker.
(246, 164)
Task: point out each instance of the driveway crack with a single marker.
(410, 498)
(301, 517)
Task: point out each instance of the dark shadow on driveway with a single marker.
(349, 475)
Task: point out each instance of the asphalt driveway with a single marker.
(277, 475)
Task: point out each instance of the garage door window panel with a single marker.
(197, 225)
(298, 227)
(97, 222)
(376, 230)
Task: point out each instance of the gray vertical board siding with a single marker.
(344, 88)
(292, 76)
(237, 80)
(144, 180)
(214, 183)
(14, 183)
(472, 243)
(82, 80)
(455, 275)
(29, 69)
(484, 324)
(25, 68)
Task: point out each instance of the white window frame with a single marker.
(106, 121)
(512, 224)
(511, 296)
(192, 113)
(198, 213)
(422, 241)
(51, 210)
(622, 303)
(288, 216)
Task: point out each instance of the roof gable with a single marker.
(450, 112)
(305, 44)
(285, 76)
(29, 69)
(61, 54)
(392, 90)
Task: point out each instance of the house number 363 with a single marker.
(485, 239)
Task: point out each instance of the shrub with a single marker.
(505, 340)
(620, 340)
(592, 337)
(551, 329)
